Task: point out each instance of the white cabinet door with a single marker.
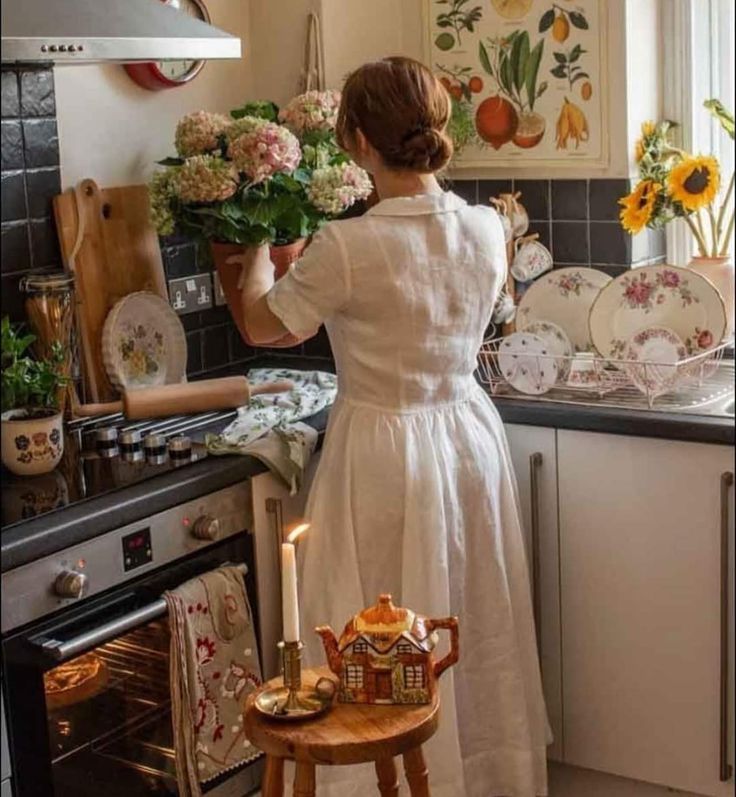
(640, 574)
(534, 456)
(270, 496)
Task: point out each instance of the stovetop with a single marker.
(103, 455)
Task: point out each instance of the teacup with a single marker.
(516, 213)
(583, 371)
(531, 260)
(504, 310)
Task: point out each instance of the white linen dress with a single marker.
(414, 494)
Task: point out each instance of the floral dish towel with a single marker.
(213, 668)
(269, 427)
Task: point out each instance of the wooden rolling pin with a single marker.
(207, 394)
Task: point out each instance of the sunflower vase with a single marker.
(720, 271)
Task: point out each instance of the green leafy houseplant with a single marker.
(28, 384)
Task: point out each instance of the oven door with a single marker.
(88, 692)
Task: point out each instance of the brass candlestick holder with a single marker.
(294, 701)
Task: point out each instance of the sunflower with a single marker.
(638, 207)
(694, 181)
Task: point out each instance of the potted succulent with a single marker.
(263, 175)
(32, 438)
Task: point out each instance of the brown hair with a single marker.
(402, 109)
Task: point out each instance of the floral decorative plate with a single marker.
(557, 342)
(564, 297)
(657, 296)
(143, 343)
(657, 349)
(526, 363)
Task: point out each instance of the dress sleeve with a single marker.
(316, 287)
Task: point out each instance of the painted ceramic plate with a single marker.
(557, 342)
(657, 296)
(658, 349)
(143, 343)
(527, 363)
(564, 297)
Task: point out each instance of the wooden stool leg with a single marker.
(388, 780)
(304, 781)
(416, 773)
(273, 777)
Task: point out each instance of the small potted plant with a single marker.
(261, 176)
(32, 436)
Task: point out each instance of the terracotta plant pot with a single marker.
(720, 271)
(32, 443)
(229, 274)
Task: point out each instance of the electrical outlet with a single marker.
(191, 294)
(219, 293)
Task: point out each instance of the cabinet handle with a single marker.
(535, 463)
(725, 768)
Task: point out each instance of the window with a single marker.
(354, 676)
(360, 646)
(414, 676)
(698, 64)
(404, 647)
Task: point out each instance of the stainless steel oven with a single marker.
(86, 653)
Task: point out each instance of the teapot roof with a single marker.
(384, 623)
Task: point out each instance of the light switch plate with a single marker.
(219, 293)
(191, 294)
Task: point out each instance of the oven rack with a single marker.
(695, 381)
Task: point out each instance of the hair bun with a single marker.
(424, 150)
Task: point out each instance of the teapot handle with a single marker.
(450, 623)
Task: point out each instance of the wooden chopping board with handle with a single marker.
(109, 243)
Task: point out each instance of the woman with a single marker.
(414, 494)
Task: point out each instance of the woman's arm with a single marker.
(263, 327)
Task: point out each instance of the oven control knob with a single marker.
(70, 584)
(206, 527)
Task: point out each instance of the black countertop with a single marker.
(41, 536)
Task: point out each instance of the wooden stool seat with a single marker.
(347, 734)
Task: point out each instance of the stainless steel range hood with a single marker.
(90, 31)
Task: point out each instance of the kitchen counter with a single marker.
(30, 539)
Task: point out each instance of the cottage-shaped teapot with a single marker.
(385, 655)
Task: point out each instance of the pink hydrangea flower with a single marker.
(266, 150)
(198, 133)
(313, 110)
(334, 189)
(206, 178)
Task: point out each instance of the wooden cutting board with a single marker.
(109, 243)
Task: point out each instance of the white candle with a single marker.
(290, 598)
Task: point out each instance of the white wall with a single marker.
(113, 131)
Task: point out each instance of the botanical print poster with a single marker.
(526, 77)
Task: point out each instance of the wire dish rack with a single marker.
(590, 379)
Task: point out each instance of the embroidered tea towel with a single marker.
(213, 668)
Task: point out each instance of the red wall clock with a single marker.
(158, 75)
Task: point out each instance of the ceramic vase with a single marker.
(282, 258)
(720, 271)
(32, 442)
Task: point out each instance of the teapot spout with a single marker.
(329, 641)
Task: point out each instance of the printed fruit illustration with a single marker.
(512, 9)
(530, 130)
(445, 41)
(456, 91)
(475, 84)
(560, 28)
(496, 121)
(571, 124)
(586, 90)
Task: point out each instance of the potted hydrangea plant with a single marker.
(264, 175)
(32, 438)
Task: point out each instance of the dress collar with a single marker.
(418, 205)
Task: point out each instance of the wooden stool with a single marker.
(347, 734)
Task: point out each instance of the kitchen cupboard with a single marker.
(273, 507)
(630, 562)
(5, 790)
(534, 457)
(640, 574)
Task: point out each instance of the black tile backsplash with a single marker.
(577, 220)
(29, 168)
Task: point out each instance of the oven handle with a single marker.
(104, 633)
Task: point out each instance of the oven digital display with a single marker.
(137, 549)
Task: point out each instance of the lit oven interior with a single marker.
(109, 718)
